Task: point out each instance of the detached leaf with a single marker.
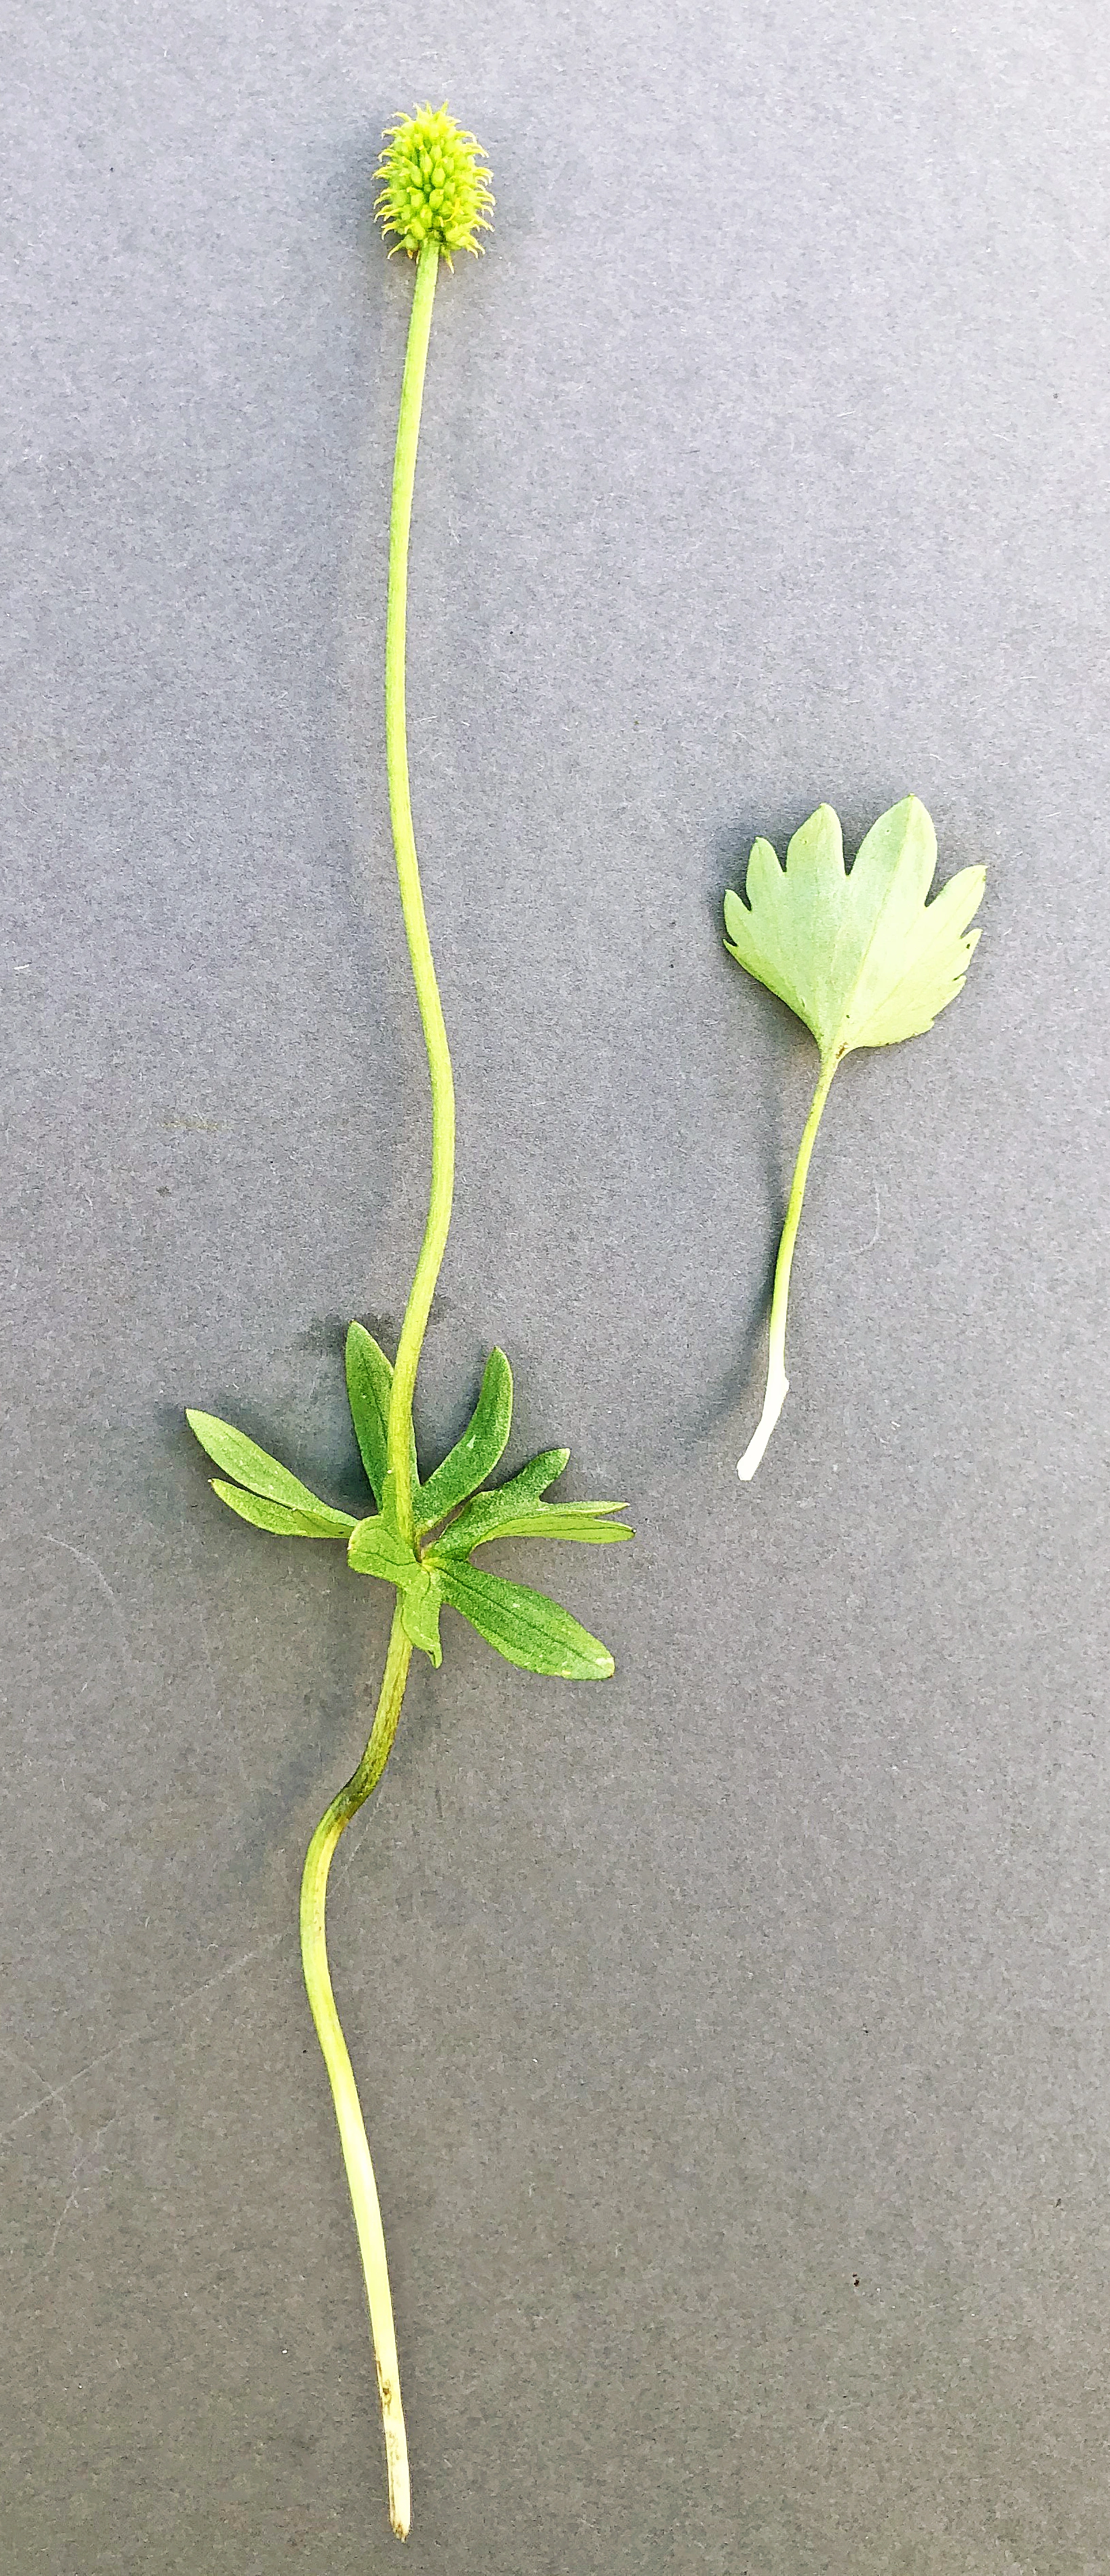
(524, 1626)
(475, 1455)
(321, 1523)
(864, 960)
(488, 1512)
(253, 1468)
(369, 1380)
(860, 956)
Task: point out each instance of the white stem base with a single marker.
(371, 2238)
(777, 1389)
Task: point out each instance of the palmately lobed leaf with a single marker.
(858, 954)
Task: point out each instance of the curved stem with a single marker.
(356, 2153)
(777, 1380)
(408, 873)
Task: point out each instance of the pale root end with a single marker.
(775, 1398)
(368, 2221)
(397, 2466)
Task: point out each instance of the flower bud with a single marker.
(433, 184)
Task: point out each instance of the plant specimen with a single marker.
(863, 959)
(423, 1534)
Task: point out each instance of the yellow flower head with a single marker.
(433, 184)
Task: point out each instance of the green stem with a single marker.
(777, 1380)
(314, 1884)
(356, 2153)
(412, 900)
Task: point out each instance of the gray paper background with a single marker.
(733, 2037)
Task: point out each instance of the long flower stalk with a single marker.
(424, 1533)
(412, 899)
(420, 149)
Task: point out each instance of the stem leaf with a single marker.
(561, 1520)
(369, 1380)
(321, 1523)
(485, 1515)
(421, 1602)
(254, 1468)
(377, 1547)
(529, 1630)
(475, 1455)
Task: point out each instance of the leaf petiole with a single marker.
(777, 1381)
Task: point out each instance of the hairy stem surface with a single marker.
(777, 1380)
(356, 2153)
(412, 900)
